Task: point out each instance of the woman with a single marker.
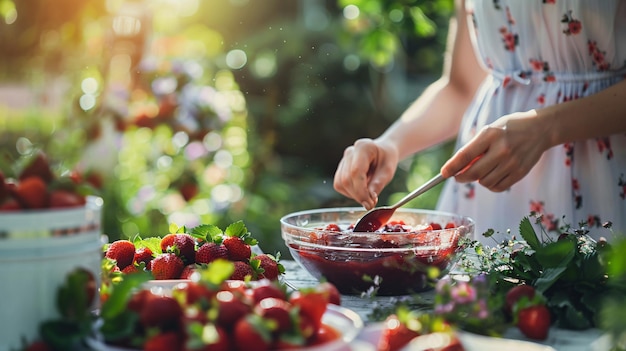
(535, 93)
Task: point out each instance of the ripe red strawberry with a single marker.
(185, 247)
(130, 269)
(515, 294)
(210, 252)
(122, 251)
(242, 269)
(160, 311)
(395, 335)
(167, 241)
(188, 270)
(331, 290)
(168, 341)
(312, 303)
(63, 198)
(265, 289)
(250, 334)
(271, 308)
(32, 193)
(4, 190)
(181, 244)
(271, 267)
(37, 166)
(534, 321)
(221, 341)
(238, 250)
(10, 204)
(195, 291)
(167, 266)
(95, 179)
(188, 191)
(143, 254)
(231, 308)
(138, 299)
(435, 226)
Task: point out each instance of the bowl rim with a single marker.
(283, 219)
(463, 230)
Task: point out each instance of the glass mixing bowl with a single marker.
(391, 261)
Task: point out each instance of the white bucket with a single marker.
(37, 251)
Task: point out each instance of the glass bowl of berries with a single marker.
(406, 255)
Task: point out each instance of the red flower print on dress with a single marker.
(536, 206)
(598, 56)
(537, 65)
(547, 219)
(541, 99)
(573, 25)
(548, 222)
(510, 39)
(604, 144)
(506, 81)
(543, 66)
(622, 185)
(569, 153)
(594, 220)
(549, 1)
(578, 199)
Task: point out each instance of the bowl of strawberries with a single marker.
(406, 255)
(50, 224)
(176, 257)
(212, 312)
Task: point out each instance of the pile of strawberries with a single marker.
(210, 314)
(32, 184)
(178, 255)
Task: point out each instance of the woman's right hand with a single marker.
(365, 169)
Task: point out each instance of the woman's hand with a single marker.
(508, 150)
(365, 169)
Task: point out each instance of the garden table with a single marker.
(559, 339)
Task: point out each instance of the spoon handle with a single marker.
(419, 191)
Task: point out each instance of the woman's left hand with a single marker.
(506, 150)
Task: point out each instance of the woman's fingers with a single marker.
(352, 175)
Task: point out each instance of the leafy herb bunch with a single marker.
(570, 269)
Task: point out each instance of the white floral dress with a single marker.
(542, 52)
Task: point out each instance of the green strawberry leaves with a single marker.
(212, 233)
(569, 268)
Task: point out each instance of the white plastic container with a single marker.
(37, 251)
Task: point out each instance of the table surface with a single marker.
(560, 339)
(296, 277)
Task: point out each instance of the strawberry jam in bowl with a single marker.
(406, 255)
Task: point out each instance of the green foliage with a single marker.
(293, 108)
(571, 271)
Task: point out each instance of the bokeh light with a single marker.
(236, 59)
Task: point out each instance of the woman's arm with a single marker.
(598, 115)
(436, 115)
(513, 144)
(369, 165)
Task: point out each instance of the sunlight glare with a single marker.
(351, 12)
